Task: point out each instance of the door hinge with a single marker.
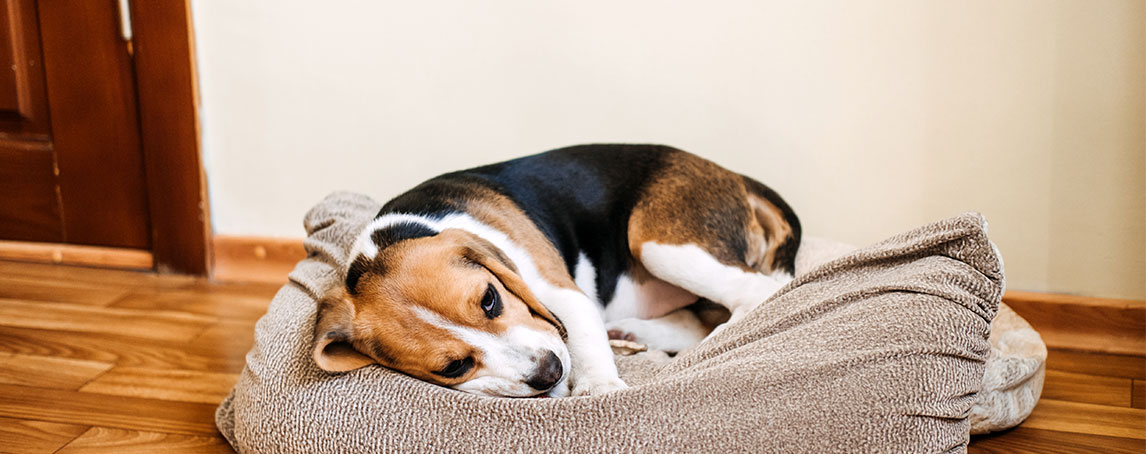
(125, 20)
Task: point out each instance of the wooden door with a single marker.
(71, 164)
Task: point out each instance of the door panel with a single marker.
(29, 202)
(23, 101)
(71, 167)
(11, 87)
(95, 127)
(29, 209)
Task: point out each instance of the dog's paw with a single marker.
(617, 334)
(595, 386)
(629, 329)
(675, 332)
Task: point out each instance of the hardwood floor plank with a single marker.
(220, 303)
(74, 407)
(23, 288)
(156, 325)
(1082, 418)
(263, 289)
(48, 372)
(1108, 365)
(1023, 440)
(228, 338)
(1092, 389)
(164, 384)
(35, 437)
(62, 344)
(124, 351)
(1138, 394)
(107, 440)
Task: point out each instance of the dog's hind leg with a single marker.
(716, 234)
(692, 268)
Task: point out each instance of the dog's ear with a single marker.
(477, 250)
(333, 334)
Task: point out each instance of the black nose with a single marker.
(547, 374)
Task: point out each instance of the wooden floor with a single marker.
(95, 361)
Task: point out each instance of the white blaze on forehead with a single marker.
(486, 342)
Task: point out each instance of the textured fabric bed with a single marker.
(1013, 381)
(1016, 366)
(881, 350)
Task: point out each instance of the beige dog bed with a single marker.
(1016, 366)
(881, 350)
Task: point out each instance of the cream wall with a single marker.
(870, 117)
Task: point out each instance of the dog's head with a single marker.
(448, 308)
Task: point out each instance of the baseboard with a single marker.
(1105, 325)
(1067, 322)
(254, 259)
(70, 254)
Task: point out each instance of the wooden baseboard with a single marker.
(255, 259)
(69, 254)
(1102, 325)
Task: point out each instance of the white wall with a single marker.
(870, 117)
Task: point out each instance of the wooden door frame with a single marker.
(168, 97)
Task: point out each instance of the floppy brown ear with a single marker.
(484, 253)
(333, 334)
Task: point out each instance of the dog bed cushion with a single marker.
(1016, 366)
(881, 350)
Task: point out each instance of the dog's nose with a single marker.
(547, 374)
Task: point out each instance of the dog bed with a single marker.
(1015, 368)
(883, 349)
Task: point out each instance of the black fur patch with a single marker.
(386, 237)
(354, 273)
(435, 198)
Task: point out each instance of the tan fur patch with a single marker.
(693, 200)
(714, 199)
(773, 230)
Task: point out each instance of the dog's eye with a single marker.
(457, 367)
(491, 303)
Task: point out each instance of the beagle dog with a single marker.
(508, 279)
